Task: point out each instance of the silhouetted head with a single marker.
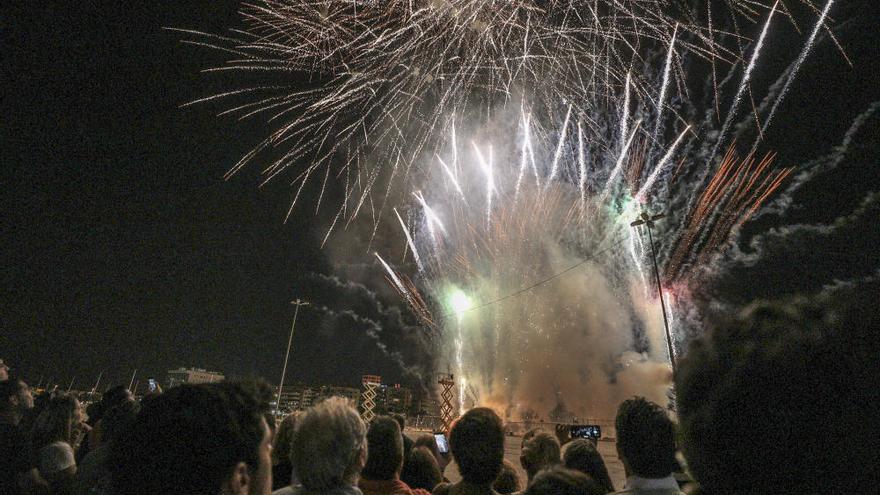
(118, 420)
(430, 443)
(384, 450)
(401, 421)
(645, 439)
(477, 444)
(561, 481)
(422, 470)
(581, 455)
(15, 399)
(281, 447)
(507, 480)
(782, 397)
(203, 439)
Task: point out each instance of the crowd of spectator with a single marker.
(778, 398)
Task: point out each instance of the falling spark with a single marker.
(558, 153)
(486, 166)
(736, 191)
(451, 176)
(394, 278)
(643, 192)
(582, 165)
(409, 241)
(619, 164)
(662, 99)
(524, 152)
(432, 217)
(390, 79)
(624, 115)
(797, 65)
(747, 75)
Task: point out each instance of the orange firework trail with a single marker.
(407, 290)
(734, 193)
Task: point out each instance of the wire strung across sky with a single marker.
(539, 283)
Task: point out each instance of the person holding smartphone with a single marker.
(442, 443)
(477, 445)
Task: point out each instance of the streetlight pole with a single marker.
(298, 302)
(648, 221)
(132, 379)
(92, 392)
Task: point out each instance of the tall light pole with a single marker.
(297, 302)
(648, 221)
(132, 379)
(95, 388)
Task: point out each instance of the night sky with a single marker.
(123, 247)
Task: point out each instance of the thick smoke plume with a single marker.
(588, 332)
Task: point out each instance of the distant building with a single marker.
(309, 397)
(397, 399)
(299, 397)
(352, 394)
(290, 398)
(192, 376)
(427, 406)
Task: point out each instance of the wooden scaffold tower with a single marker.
(447, 405)
(368, 396)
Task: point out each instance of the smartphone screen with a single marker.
(592, 432)
(152, 385)
(442, 444)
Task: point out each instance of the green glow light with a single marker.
(459, 301)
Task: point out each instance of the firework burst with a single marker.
(499, 240)
(362, 91)
(527, 135)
